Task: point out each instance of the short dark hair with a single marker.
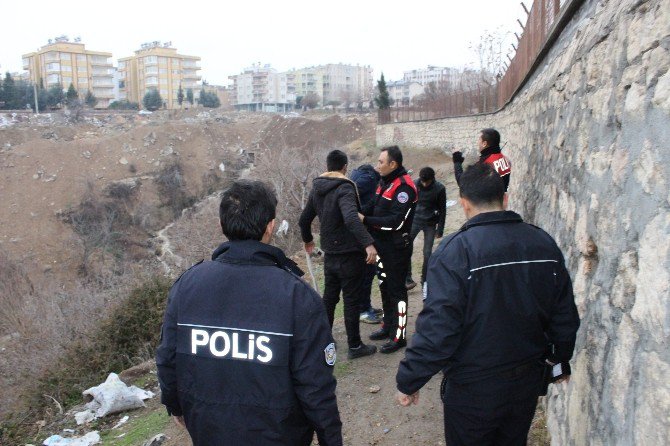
(336, 160)
(393, 153)
(427, 174)
(480, 184)
(246, 209)
(491, 136)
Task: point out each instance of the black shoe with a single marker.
(379, 335)
(361, 350)
(410, 284)
(393, 346)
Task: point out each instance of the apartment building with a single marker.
(335, 82)
(62, 62)
(403, 92)
(158, 66)
(435, 74)
(262, 88)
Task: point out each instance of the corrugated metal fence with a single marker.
(540, 26)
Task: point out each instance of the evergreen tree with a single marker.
(180, 95)
(152, 100)
(189, 95)
(383, 100)
(90, 99)
(210, 100)
(9, 93)
(56, 96)
(71, 94)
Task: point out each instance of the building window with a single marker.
(82, 69)
(122, 65)
(81, 57)
(65, 56)
(150, 59)
(122, 84)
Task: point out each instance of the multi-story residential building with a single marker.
(347, 84)
(403, 92)
(62, 62)
(157, 66)
(425, 76)
(262, 88)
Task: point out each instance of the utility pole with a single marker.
(37, 107)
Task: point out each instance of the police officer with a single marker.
(489, 153)
(497, 294)
(246, 355)
(390, 223)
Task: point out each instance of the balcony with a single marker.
(100, 61)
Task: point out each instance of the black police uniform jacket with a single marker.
(490, 155)
(246, 352)
(497, 294)
(334, 199)
(390, 220)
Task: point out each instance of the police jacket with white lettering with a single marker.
(246, 352)
(431, 209)
(490, 155)
(497, 294)
(391, 217)
(334, 199)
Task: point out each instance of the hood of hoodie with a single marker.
(329, 181)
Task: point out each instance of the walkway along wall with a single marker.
(588, 138)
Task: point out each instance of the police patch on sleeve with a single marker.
(331, 354)
(403, 197)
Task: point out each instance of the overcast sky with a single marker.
(230, 36)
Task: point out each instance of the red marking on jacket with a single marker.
(500, 163)
(395, 184)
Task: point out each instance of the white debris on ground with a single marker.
(121, 422)
(110, 397)
(89, 439)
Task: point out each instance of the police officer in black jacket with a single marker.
(246, 355)
(497, 295)
(390, 222)
(346, 242)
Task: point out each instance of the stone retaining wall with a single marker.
(588, 139)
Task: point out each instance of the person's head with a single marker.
(426, 176)
(488, 138)
(336, 161)
(247, 211)
(481, 190)
(390, 158)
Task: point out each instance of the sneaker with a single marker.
(369, 317)
(361, 350)
(377, 311)
(410, 284)
(393, 346)
(379, 335)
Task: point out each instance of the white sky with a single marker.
(390, 36)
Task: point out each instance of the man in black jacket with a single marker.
(497, 295)
(431, 211)
(346, 242)
(246, 355)
(490, 153)
(390, 222)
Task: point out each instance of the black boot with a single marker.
(379, 335)
(393, 346)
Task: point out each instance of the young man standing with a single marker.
(346, 242)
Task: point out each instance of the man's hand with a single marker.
(371, 253)
(406, 400)
(361, 217)
(179, 421)
(309, 247)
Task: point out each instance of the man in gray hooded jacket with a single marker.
(347, 245)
